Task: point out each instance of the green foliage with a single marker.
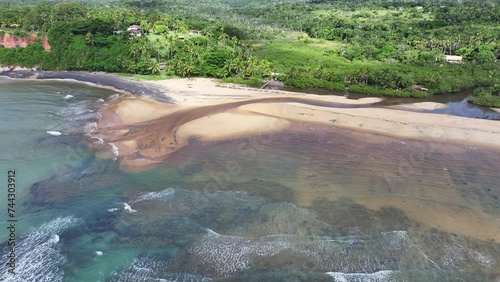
(489, 97)
(362, 46)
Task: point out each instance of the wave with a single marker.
(223, 255)
(380, 276)
(90, 127)
(54, 133)
(160, 195)
(114, 96)
(38, 253)
(83, 110)
(68, 97)
(114, 149)
(148, 269)
(128, 208)
(99, 141)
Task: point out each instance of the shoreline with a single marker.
(408, 121)
(96, 79)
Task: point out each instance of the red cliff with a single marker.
(12, 41)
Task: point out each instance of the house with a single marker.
(453, 59)
(195, 32)
(162, 66)
(419, 7)
(181, 37)
(134, 30)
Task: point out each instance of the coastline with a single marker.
(202, 108)
(97, 79)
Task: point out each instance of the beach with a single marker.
(147, 131)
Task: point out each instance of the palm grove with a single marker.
(372, 47)
(83, 37)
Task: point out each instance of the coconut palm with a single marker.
(153, 67)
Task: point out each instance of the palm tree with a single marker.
(90, 39)
(187, 68)
(234, 41)
(153, 67)
(171, 46)
(209, 36)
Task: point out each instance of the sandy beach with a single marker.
(146, 131)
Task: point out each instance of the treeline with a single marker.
(85, 37)
(376, 47)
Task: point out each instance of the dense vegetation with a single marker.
(86, 37)
(373, 47)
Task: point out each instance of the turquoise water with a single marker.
(292, 206)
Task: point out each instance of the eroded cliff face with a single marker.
(12, 41)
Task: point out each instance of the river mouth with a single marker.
(456, 103)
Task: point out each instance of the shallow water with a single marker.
(310, 204)
(456, 103)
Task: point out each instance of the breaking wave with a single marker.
(126, 207)
(90, 127)
(147, 269)
(160, 195)
(222, 255)
(114, 149)
(38, 253)
(54, 133)
(114, 96)
(380, 276)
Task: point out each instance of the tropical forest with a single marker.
(381, 48)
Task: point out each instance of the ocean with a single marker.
(312, 203)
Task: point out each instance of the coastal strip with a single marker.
(98, 79)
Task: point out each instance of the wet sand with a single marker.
(208, 111)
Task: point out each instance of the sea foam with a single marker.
(226, 255)
(380, 276)
(160, 195)
(114, 96)
(38, 253)
(68, 97)
(114, 149)
(128, 208)
(90, 127)
(54, 133)
(147, 269)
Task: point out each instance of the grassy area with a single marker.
(160, 76)
(486, 96)
(487, 101)
(256, 82)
